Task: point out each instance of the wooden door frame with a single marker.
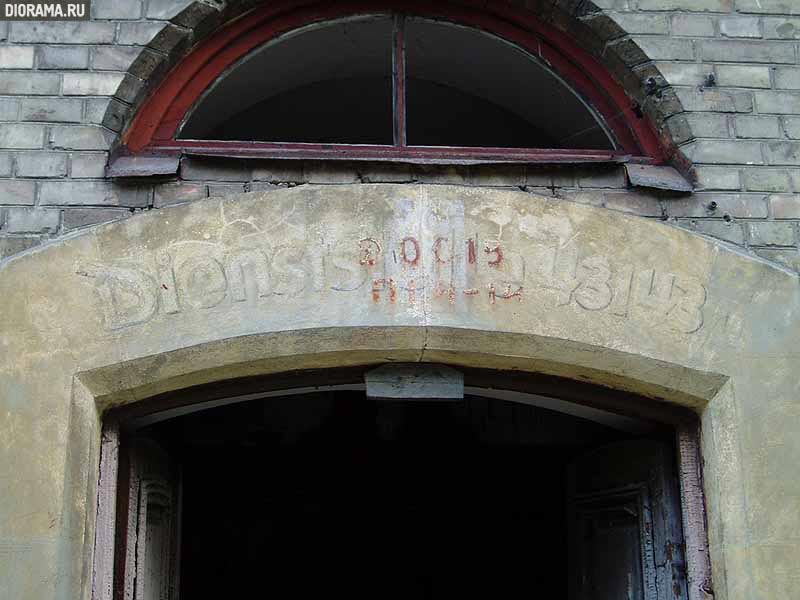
(113, 506)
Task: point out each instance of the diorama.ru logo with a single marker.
(75, 10)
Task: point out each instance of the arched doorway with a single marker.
(145, 307)
(496, 492)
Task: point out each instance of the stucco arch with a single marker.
(581, 24)
(320, 276)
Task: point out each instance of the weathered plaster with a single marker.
(322, 276)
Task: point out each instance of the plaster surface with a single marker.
(320, 276)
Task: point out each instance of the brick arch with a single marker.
(580, 24)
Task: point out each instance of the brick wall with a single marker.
(734, 65)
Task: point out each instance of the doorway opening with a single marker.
(335, 493)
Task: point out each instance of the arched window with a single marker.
(393, 83)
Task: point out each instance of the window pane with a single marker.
(326, 83)
(468, 88)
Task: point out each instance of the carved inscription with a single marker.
(549, 267)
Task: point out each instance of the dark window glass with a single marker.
(469, 88)
(333, 83)
(328, 83)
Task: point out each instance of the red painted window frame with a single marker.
(154, 129)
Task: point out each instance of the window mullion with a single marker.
(399, 81)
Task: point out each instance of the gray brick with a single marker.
(767, 180)
(165, 9)
(264, 186)
(794, 177)
(21, 136)
(88, 165)
(16, 57)
(708, 125)
(612, 4)
(146, 63)
(96, 109)
(80, 137)
(92, 193)
(747, 51)
(689, 5)
(782, 28)
(782, 103)
(780, 7)
(685, 73)
(628, 52)
(715, 100)
(116, 9)
(9, 109)
(114, 118)
(771, 233)
(791, 125)
(724, 230)
(218, 190)
(480, 175)
(114, 58)
(169, 38)
(173, 193)
(57, 110)
(91, 84)
(743, 206)
(718, 178)
(74, 218)
(22, 83)
(130, 89)
(613, 177)
(9, 246)
(749, 126)
(193, 169)
(41, 164)
(558, 177)
(641, 23)
(138, 34)
(32, 220)
(739, 27)
(63, 57)
(63, 32)
(787, 78)
(17, 191)
(782, 153)
(743, 76)
(540, 176)
(399, 173)
(5, 164)
(678, 128)
(785, 206)
(691, 25)
(666, 48)
(457, 175)
(725, 152)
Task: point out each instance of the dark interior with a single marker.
(359, 111)
(334, 494)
